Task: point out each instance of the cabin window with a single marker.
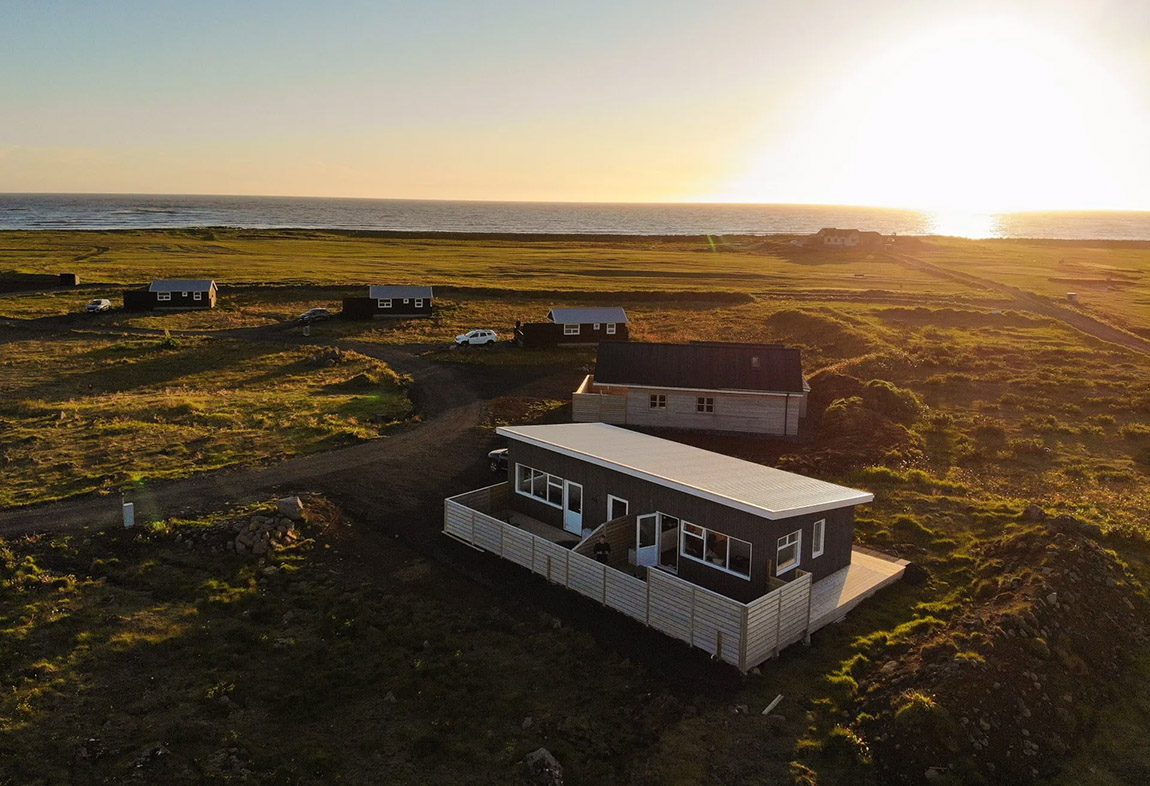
(787, 556)
(535, 483)
(755, 362)
(818, 538)
(570, 330)
(419, 302)
(183, 294)
(704, 404)
(715, 549)
(596, 325)
(385, 302)
(610, 328)
(658, 401)
(163, 296)
(197, 296)
(406, 301)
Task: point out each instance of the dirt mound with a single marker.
(1000, 693)
(835, 334)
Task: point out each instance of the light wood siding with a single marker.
(733, 412)
(599, 408)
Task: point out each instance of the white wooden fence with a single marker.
(742, 634)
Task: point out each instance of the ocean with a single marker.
(145, 211)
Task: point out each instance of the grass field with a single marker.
(978, 411)
(82, 413)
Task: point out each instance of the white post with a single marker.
(129, 513)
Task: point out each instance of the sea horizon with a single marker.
(41, 211)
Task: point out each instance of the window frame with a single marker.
(610, 328)
(657, 401)
(419, 302)
(197, 296)
(384, 302)
(163, 296)
(705, 405)
(543, 479)
(568, 331)
(818, 538)
(703, 536)
(797, 543)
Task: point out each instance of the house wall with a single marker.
(401, 309)
(646, 497)
(550, 334)
(183, 300)
(735, 412)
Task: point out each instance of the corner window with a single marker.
(419, 302)
(534, 483)
(658, 401)
(163, 296)
(715, 549)
(570, 330)
(610, 328)
(787, 556)
(385, 302)
(818, 538)
(704, 404)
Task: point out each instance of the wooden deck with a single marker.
(838, 593)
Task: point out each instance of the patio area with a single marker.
(838, 593)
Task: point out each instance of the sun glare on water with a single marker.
(968, 120)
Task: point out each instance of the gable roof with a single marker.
(393, 292)
(583, 316)
(705, 365)
(182, 285)
(743, 485)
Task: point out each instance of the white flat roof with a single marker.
(754, 488)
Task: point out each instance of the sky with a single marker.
(932, 104)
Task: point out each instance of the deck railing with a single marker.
(742, 634)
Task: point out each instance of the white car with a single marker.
(477, 337)
(99, 304)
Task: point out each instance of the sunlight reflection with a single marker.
(963, 224)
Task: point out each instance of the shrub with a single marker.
(1135, 431)
(898, 404)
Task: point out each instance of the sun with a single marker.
(989, 115)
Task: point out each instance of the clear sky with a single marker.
(1010, 104)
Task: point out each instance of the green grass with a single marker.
(83, 413)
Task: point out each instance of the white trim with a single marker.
(657, 401)
(419, 302)
(546, 482)
(704, 405)
(819, 537)
(384, 302)
(597, 325)
(406, 301)
(859, 497)
(683, 524)
(567, 331)
(163, 296)
(610, 328)
(197, 296)
(612, 498)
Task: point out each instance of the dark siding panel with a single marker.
(703, 366)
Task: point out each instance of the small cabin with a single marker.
(566, 327)
(390, 300)
(173, 295)
(847, 238)
(706, 386)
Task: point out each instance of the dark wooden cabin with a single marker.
(574, 327)
(390, 301)
(172, 294)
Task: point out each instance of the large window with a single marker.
(197, 296)
(535, 483)
(610, 328)
(658, 401)
(570, 330)
(704, 404)
(419, 302)
(716, 549)
(163, 296)
(818, 538)
(385, 302)
(789, 550)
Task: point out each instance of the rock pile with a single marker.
(261, 534)
(1004, 689)
(328, 356)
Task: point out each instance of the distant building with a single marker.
(390, 300)
(172, 295)
(574, 327)
(847, 238)
(705, 386)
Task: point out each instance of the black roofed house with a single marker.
(733, 557)
(574, 327)
(706, 386)
(390, 300)
(173, 294)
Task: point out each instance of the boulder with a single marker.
(290, 507)
(543, 768)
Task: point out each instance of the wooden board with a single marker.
(627, 594)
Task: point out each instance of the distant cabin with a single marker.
(847, 238)
(172, 294)
(390, 300)
(574, 327)
(703, 386)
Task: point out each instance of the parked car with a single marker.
(99, 304)
(481, 337)
(315, 315)
(497, 459)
